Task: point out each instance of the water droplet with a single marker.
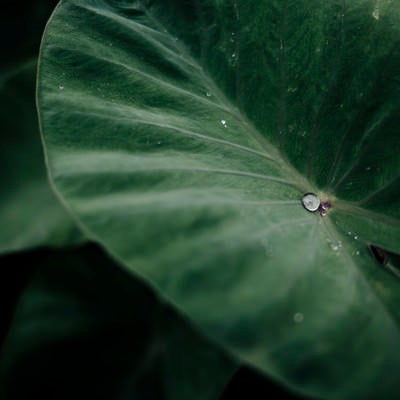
(368, 168)
(356, 237)
(311, 202)
(159, 142)
(208, 94)
(349, 233)
(61, 87)
(298, 318)
(335, 246)
(292, 89)
(375, 13)
(357, 253)
(223, 122)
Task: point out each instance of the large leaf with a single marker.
(83, 329)
(30, 214)
(183, 135)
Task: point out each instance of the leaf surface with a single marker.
(183, 136)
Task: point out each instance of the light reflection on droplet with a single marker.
(223, 122)
(61, 87)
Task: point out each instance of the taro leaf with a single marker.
(84, 329)
(30, 214)
(183, 135)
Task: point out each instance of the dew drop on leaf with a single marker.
(311, 202)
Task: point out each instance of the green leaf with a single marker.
(183, 136)
(29, 212)
(84, 329)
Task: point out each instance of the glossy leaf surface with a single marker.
(183, 136)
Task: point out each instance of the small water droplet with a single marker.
(159, 142)
(357, 253)
(223, 122)
(311, 202)
(61, 87)
(349, 233)
(368, 168)
(298, 318)
(208, 94)
(375, 13)
(335, 246)
(356, 237)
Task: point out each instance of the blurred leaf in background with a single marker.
(85, 329)
(29, 212)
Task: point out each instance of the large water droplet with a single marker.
(311, 202)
